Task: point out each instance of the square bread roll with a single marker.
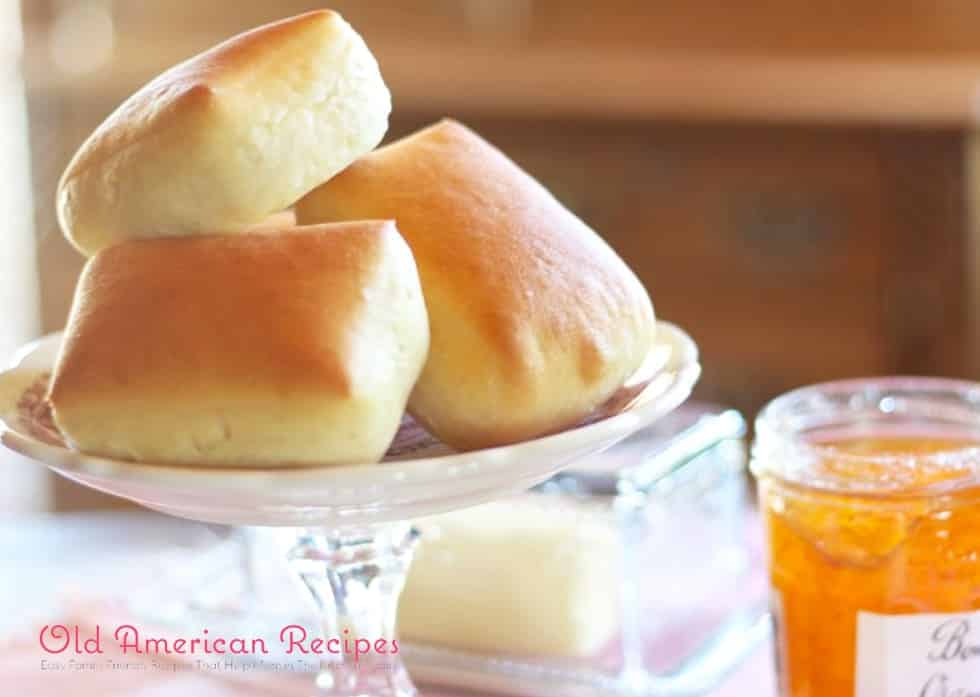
(298, 347)
(228, 137)
(535, 319)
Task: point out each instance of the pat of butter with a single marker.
(532, 575)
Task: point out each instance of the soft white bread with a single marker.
(229, 137)
(298, 348)
(535, 319)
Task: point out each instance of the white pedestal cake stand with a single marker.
(353, 543)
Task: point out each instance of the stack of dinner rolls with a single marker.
(211, 328)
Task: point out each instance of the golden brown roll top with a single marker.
(535, 320)
(229, 137)
(259, 349)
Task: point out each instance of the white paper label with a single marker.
(928, 655)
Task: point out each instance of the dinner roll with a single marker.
(297, 348)
(535, 319)
(229, 137)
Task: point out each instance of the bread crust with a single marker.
(535, 320)
(291, 348)
(229, 137)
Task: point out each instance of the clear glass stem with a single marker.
(355, 578)
(248, 538)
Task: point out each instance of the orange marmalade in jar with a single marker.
(870, 491)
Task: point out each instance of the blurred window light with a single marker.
(81, 38)
(11, 36)
(25, 485)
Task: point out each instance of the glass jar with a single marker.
(870, 490)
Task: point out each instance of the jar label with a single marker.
(927, 655)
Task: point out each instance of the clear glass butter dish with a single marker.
(630, 574)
